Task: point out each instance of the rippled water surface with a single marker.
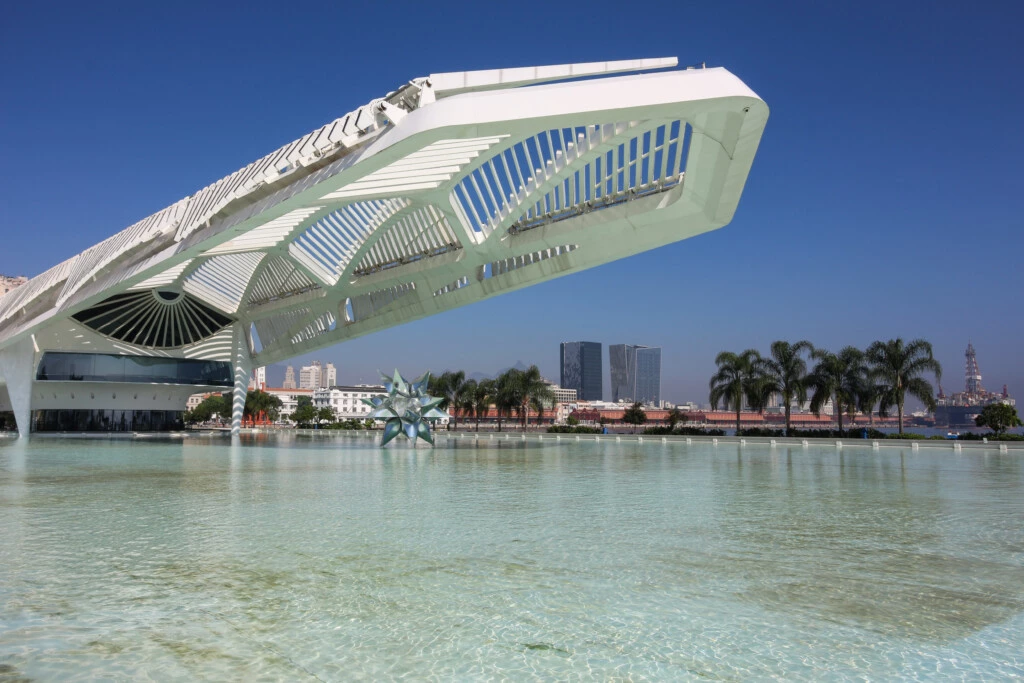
(295, 559)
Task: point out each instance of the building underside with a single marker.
(454, 188)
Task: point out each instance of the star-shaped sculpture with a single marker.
(407, 408)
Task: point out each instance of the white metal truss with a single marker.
(453, 188)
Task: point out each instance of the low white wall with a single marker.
(113, 395)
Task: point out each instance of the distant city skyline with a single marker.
(953, 373)
(853, 227)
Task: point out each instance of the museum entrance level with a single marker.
(104, 420)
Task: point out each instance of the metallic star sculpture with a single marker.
(407, 408)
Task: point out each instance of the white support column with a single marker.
(242, 362)
(17, 368)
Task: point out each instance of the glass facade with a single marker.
(101, 420)
(101, 367)
(648, 375)
(623, 371)
(580, 369)
(636, 373)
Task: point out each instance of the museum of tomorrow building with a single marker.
(454, 188)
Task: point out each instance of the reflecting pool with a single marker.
(300, 559)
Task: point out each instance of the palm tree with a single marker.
(535, 393)
(483, 394)
(738, 378)
(465, 401)
(452, 387)
(785, 373)
(869, 395)
(897, 368)
(506, 394)
(837, 376)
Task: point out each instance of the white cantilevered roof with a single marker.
(451, 189)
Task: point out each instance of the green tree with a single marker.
(325, 414)
(209, 408)
(536, 394)
(839, 377)
(998, 417)
(303, 401)
(464, 400)
(634, 415)
(304, 414)
(739, 377)
(506, 394)
(260, 403)
(452, 387)
(674, 417)
(897, 370)
(572, 420)
(483, 394)
(785, 374)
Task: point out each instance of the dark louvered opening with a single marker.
(163, 319)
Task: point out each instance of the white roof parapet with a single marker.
(456, 82)
(451, 189)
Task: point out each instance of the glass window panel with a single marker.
(108, 368)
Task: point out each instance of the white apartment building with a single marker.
(347, 401)
(563, 395)
(289, 378)
(329, 377)
(258, 379)
(309, 376)
(194, 400)
(289, 399)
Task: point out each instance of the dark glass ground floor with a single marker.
(101, 420)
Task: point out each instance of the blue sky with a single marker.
(885, 199)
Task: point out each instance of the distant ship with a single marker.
(960, 409)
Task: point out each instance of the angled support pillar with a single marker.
(17, 368)
(242, 362)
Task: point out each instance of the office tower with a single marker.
(309, 376)
(289, 378)
(636, 373)
(580, 364)
(260, 374)
(329, 378)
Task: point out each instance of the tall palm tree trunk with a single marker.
(899, 411)
(787, 418)
(837, 406)
(739, 407)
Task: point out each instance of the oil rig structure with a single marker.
(960, 409)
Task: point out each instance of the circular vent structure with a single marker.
(156, 318)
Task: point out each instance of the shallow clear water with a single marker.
(301, 559)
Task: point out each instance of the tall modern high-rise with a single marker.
(289, 378)
(580, 364)
(636, 373)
